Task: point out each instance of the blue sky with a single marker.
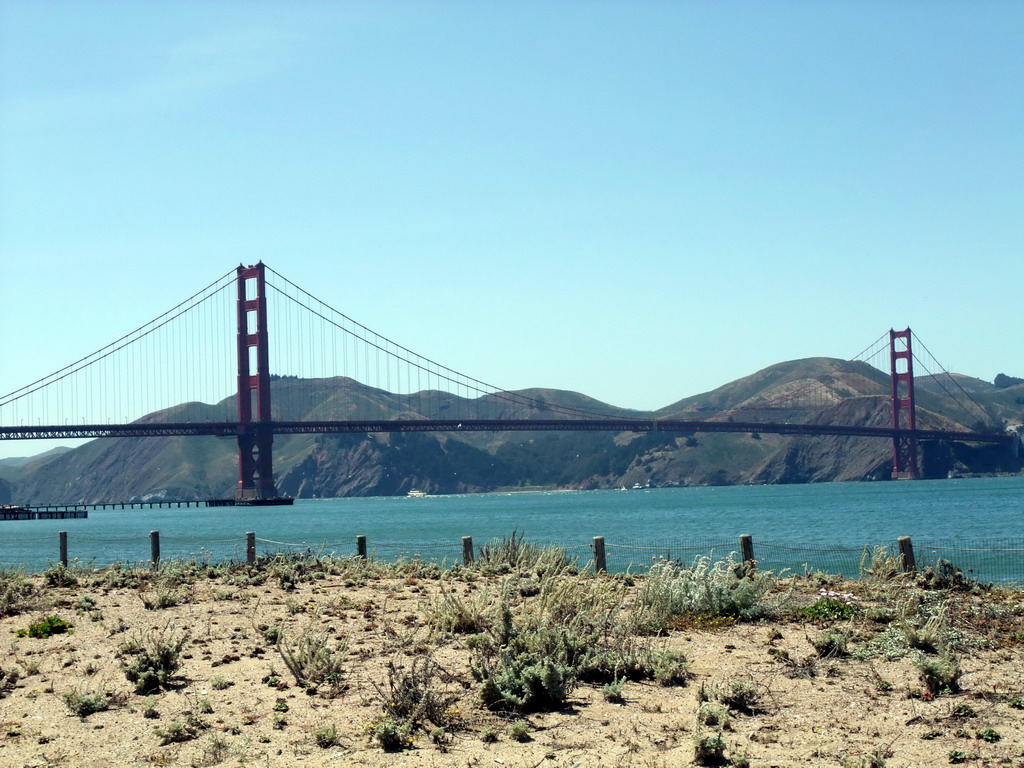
(640, 201)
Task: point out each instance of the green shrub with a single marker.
(325, 736)
(713, 715)
(272, 633)
(830, 644)
(708, 749)
(85, 704)
(450, 613)
(574, 629)
(612, 691)
(391, 733)
(220, 683)
(85, 604)
(829, 609)
(16, 592)
(315, 659)
(931, 634)
(669, 668)
(155, 657)
(514, 554)
(946, 576)
(525, 682)
(519, 730)
(162, 597)
(940, 675)
(177, 731)
(412, 694)
(51, 625)
(881, 565)
(60, 575)
(707, 589)
(735, 693)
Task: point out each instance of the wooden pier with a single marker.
(35, 513)
(72, 511)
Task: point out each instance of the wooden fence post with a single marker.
(600, 563)
(907, 554)
(154, 548)
(361, 547)
(467, 550)
(747, 550)
(250, 547)
(63, 538)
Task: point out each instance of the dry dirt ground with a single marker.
(234, 701)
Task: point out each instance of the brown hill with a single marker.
(822, 390)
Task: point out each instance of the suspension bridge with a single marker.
(203, 368)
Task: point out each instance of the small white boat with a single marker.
(414, 494)
(637, 487)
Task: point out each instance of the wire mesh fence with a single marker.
(996, 561)
(1000, 562)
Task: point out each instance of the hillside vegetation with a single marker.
(364, 465)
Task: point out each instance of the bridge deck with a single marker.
(232, 429)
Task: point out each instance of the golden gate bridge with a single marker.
(160, 379)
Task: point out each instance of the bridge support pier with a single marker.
(255, 435)
(905, 464)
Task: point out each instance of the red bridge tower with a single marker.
(255, 436)
(904, 447)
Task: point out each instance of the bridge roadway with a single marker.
(232, 429)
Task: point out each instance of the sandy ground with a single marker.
(234, 702)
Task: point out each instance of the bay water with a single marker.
(974, 523)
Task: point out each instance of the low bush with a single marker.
(315, 659)
(830, 607)
(162, 597)
(708, 749)
(830, 644)
(713, 716)
(706, 588)
(519, 730)
(515, 555)
(525, 682)
(413, 694)
(940, 675)
(392, 733)
(448, 612)
(881, 565)
(326, 736)
(17, 593)
(946, 576)
(85, 704)
(51, 625)
(151, 659)
(178, 731)
(736, 693)
(612, 692)
(8, 679)
(60, 575)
